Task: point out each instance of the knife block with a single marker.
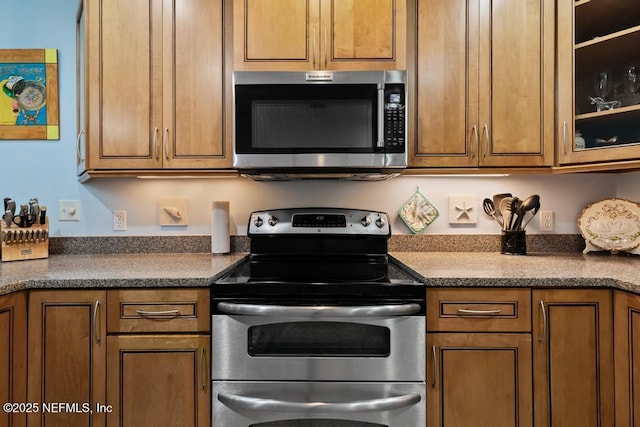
(24, 243)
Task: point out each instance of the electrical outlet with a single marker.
(119, 220)
(546, 221)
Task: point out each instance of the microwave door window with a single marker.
(307, 126)
(306, 118)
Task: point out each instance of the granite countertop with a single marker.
(115, 271)
(597, 269)
(437, 269)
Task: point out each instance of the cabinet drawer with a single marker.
(164, 310)
(482, 310)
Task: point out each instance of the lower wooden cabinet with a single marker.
(627, 358)
(479, 380)
(573, 357)
(13, 356)
(115, 379)
(159, 380)
(67, 348)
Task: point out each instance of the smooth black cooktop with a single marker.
(325, 278)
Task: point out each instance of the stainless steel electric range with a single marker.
(319, 326)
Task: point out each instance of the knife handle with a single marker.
(43, 215)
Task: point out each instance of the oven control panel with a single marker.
(319, 221)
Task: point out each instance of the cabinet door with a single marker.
(276, 34)
(447, 84)
(485, 84)
(597, 37)
(480, 380)
(516, 77)
(125, 103)
(81, 92)
(363, 34)
(192, 85)
(13, 356)
(572, 356)
(627, 359)
(159, 380)
(67, 331)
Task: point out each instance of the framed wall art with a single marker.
(29, 105)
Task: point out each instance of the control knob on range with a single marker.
(272, 220)
(258, 222)
(380, 222)
(366, 221)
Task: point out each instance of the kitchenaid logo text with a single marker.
(56, 408)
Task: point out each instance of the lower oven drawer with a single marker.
(318, 404)
(272, 348)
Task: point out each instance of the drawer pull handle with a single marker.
(159, 313)
(478, 312)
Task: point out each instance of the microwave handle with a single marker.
(377, 405)
(319, 311)
(380, 143)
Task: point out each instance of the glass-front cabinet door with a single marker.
(598, 81)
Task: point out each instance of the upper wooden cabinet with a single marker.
(319, 34)
(598, 57)
(153, 83)
(485, 84)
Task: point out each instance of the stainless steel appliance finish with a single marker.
(319, 326)
(318, 404)
(404, 361)
(320, 123)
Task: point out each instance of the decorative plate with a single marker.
(418, 213)
(611, 225)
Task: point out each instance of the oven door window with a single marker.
(326, 339)
(316, 423)
(275, 119)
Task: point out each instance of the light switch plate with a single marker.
(463, 209)
(68, 210)
(173, 212)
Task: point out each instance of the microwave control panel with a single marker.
(394, 118)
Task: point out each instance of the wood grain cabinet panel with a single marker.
(159, 380)
(573, 357)
(627, 359)
(158, 310)
(158, 103)
(479, 310)
(67, 349)
(319, 34)
(485, 84)
(13, 356)
(479, 379)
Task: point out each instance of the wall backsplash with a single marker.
(46, 169)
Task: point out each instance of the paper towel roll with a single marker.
(220, 240)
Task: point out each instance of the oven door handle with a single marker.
(374, 405)
(319, 311)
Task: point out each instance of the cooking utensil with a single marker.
(533, 204)
(514, 210)
(43, 215)
(497, 198)
(8, 218)
(505, 209)
(490, 209)
(34, 210)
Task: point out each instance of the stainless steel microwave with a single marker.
(320, 122)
